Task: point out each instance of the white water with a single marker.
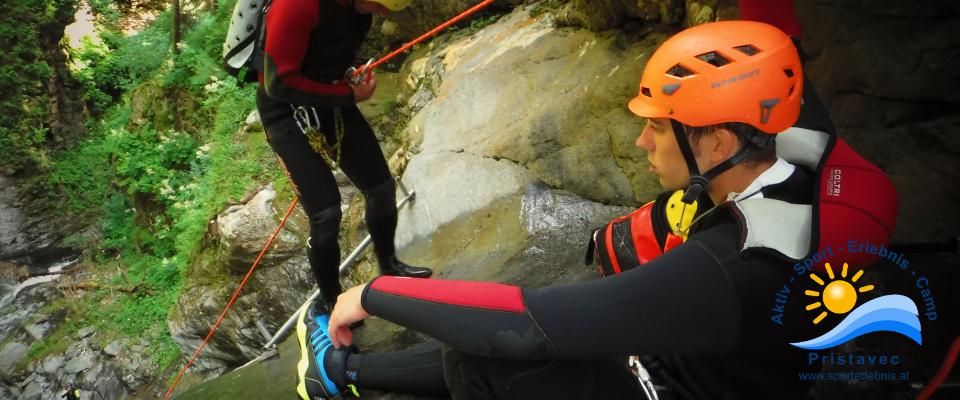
(53, 272)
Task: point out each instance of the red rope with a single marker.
(942, 373)
(430, 33)
(232, 299)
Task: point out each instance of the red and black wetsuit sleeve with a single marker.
(680, 303)
(289, 27)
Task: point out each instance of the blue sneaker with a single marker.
(313, 382)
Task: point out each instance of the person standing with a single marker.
(308, 107)
(309, 111)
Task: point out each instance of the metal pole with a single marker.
(343, 267)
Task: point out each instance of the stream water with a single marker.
(53, 272)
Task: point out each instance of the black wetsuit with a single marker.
(309, 46)
(702, 310)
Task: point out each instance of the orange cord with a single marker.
(232, 299)
(425, 36)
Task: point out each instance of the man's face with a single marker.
(369, 7)
(664, 154)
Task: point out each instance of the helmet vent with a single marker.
(671, 88)
(766, 106)
(714, 58)
(790, 92)
(748, 49)
(645, 91)
(789, 72)
(678, 71)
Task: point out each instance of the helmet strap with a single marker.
(698, 182)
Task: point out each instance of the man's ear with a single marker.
(725, 145)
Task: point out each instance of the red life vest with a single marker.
(856, 201)
(636, 238)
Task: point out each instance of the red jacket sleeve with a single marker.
(289, 24)
(679, 303)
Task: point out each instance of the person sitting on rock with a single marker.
(309, 112)
(72, 392)
(714, 97)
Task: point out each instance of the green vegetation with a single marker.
(482, 21)
(545, 6)
(162, 154)
(24, 73)
(161, 157)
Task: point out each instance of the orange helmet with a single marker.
(729, 71)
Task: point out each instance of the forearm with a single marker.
(476, 317)
(294, 88)
(679, 304)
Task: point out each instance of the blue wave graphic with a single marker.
(892, 313)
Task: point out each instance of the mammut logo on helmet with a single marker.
(735, 78)
(833, 182)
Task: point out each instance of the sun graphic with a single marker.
(839, 296)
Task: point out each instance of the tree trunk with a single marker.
(175, 43)
(175, 35)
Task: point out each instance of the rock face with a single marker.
(96, 374)
(13, 238)
(242, 229)
(280, 284)
(10, 354)
(548, 100)
(421, 16)
(521, 138)
(23, 232)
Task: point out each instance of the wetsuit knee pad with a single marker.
(325, 223)
(381, 196)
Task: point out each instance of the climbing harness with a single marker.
(308, 120)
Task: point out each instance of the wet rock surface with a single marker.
(83, 362)
(241, 230)
(422, 16)
(24, 232)
(12, 353)
(547, 99)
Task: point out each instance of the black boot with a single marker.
(396, 267)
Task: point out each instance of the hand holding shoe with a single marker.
(347, 311)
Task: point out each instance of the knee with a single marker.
(327, 219)
(380, 196)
